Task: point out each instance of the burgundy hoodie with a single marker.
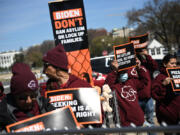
(129, 109)
(167, 102)
(150, 64)
(73, 82)
(144, 93)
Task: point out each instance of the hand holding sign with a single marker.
(138, 63)
(125, 56)
(167, 81)
(114, 65)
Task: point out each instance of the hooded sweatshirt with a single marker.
(126, 92)
(167, 102)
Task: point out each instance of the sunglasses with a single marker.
(48, 64)
(24, 97)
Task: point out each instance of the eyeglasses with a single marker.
(24, 97)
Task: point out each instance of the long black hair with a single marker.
(167, 58)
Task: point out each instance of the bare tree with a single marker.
(47, 45)
(34, 54)
(160, 18)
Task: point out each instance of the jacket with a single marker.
(150, 64)
(129, 109)
(144, 93)
(167, 102)
(7, 109)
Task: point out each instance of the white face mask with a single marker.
(123, 77)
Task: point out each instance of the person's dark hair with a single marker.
(86, 76)
(139, 57)
(167, 58)
(138, 50)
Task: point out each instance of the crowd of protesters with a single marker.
(135, 89)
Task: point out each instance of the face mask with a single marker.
(123, 77)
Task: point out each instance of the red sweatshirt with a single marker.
(129, 109)
(73, 82)
(144, 93)
(150, 64)
(167, 102)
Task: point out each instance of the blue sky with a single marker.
(24, 23)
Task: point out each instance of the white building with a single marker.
(124, 32)
(156, 50)
(7, 59)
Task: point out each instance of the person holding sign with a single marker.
(145, 100)
(144, 95)
(140, 44)
(56, 68)
(167, 102)
(126, 88)
(23, 101)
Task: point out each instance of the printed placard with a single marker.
(85, 103)
(70, 30)
(55, 120)
(140, 41)
(125, 56)
(175, 74)
(69, 24)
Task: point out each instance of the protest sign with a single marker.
(125, 56)
(85, 103)
(140, 41)
(69, 24)
(55, 120)
(69, 29)
(175, 74)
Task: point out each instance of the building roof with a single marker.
(155, 44)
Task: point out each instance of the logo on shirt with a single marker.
(128, 93)
(32, 85)
(134, 72)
